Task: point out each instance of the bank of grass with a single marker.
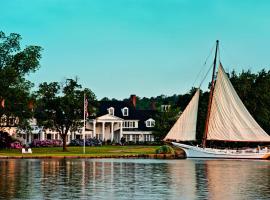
(103, 151)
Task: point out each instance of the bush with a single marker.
(16, 145)
(46, 143)
(165, 149)
(6, 141)
(130, 143)
(88, 142)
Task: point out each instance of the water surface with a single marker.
(134, 179)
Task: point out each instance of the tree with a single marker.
(61, 107)
(254, 91)
(15, 97)
(163, 122)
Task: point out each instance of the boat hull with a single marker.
(198, 152)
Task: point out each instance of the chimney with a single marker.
(133, 100)
(153, 105)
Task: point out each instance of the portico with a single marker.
(107, 127)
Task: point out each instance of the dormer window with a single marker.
(150, 123)
(125, 111)
(111, 111)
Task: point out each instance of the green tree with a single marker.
(254, 91)
(163, 122)
(15, 65)
(61, 107)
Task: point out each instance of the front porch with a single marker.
(106, 127)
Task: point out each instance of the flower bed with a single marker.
(16, 145)
(46, 143)
(7, 141)
(88, 142)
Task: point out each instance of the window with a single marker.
(111, 111)
(125, 111)
(136, 138)
(150, 123)
(130, 124)
(165, 108)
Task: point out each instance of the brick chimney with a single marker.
(133, 99)
(153, 105)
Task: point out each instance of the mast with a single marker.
(210, 98)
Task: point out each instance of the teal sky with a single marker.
(142, 47)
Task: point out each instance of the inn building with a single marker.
(117, 119)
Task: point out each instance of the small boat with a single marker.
(228, 120)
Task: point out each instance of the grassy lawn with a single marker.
(89, 151)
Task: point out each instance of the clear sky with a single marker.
(142, 47)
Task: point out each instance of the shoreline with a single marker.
(145, 156)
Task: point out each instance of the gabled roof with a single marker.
(109, 117)
(118, 106)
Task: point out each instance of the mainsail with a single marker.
(185, 127)
(229, 119)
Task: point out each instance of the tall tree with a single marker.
(254, 91)
(61, 107)
(164, 121)
(15, 63)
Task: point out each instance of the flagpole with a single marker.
(84, 111)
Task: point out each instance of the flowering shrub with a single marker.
(16, 145)
(46, 143)
(88, 142)
(6, 141)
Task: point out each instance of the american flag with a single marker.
(85, 107)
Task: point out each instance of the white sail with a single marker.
(185, 127)
(229, 119)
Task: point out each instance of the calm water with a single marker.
(134, 179)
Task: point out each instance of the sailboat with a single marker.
(227, 120)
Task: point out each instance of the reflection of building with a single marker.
(117, 119)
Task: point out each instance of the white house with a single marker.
(117, 119)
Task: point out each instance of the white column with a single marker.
(112, 131)
(42, 135)
(103, 131)
(94, 129)
(73, 135)
(121, 130)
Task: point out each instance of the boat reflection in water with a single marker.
(134, 179)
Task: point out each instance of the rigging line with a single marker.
(206, 75)
(219, 54)
(202, 68)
